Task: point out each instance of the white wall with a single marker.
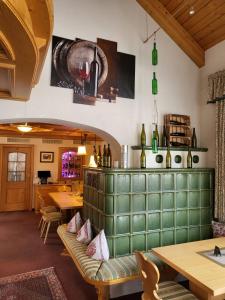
(215, 61)
(124, 22)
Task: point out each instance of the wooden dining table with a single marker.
(196, 261)
(67, 200)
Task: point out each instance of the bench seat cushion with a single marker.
(114, 268)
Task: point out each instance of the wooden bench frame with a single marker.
(103, 287)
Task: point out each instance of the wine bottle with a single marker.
(94, 70)
(177, 134)
(143, 159)
(154, 85)
(194, 139)
(95, 153)
(168, 158)
(157, 134)
(189, 159)
(99, 157)
(164, 137)
(154, 55)
(154, 143)
(143, 135)
(109, 157)
(104, 161)
(172, 122)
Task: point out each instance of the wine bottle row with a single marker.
(164, 140)
(168, 159)
(103, 160)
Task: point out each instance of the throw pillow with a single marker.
(218, 229)
(75, 223)
(98, 248)
(84, 235)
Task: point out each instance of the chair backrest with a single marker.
(64, 188)
(41, 200)
(149, 275)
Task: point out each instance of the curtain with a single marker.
(220, 162)
(216, 86)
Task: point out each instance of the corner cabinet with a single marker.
(70, 164)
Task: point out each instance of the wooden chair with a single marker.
(44, 209)
(48, 219)
(159, 291)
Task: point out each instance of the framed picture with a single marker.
(47, 157)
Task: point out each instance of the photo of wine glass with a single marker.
(84, 69)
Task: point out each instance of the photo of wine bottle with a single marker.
(94, 72)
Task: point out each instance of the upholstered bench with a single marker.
(103, 274)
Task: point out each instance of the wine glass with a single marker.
(83, 73)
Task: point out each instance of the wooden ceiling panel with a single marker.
(194, 33)
(48, 131)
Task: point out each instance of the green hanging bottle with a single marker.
(154, 143)
(154, 55)
(168, 158)
(189, 159)
(164, 137)
(157, 134)
(143, 136)
(143, 159)
(154, 85)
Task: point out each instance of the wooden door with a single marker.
(16, 179)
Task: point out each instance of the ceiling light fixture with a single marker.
(24, 128)
(82, 147)
(191, 10)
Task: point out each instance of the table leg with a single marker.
(202, 294)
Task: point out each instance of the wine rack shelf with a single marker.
(139, 147)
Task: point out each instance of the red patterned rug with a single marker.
(36, 285)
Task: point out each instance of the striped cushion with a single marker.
(172, 290)
(114, 268)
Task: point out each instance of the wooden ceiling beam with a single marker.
(170, 25)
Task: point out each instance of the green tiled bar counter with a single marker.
(142, 209)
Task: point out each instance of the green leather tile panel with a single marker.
(123, 183)
(194, 199)
(109, 204)
(153, 240)
(168, 237)
(154, 221)
(138, 202)
(206, 232)
(205, 181)
(181, 218)
(101, 182)
(168, 182)
(96, 218)
(139, 183)
(194, 234)
(122, 224)
(181, 200)
(122, 203)
(139, 222)
(168, 201)
(167, 219)
(206, 216)
(181, 181)
(154, 182)
(138, 242)
(110, 242)
(122, 245)
(101, 201)
(194, 181)
(194, 217)
(154, 201)
(206, 198)
(109, 183)
(181, 235)
(109, 225)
